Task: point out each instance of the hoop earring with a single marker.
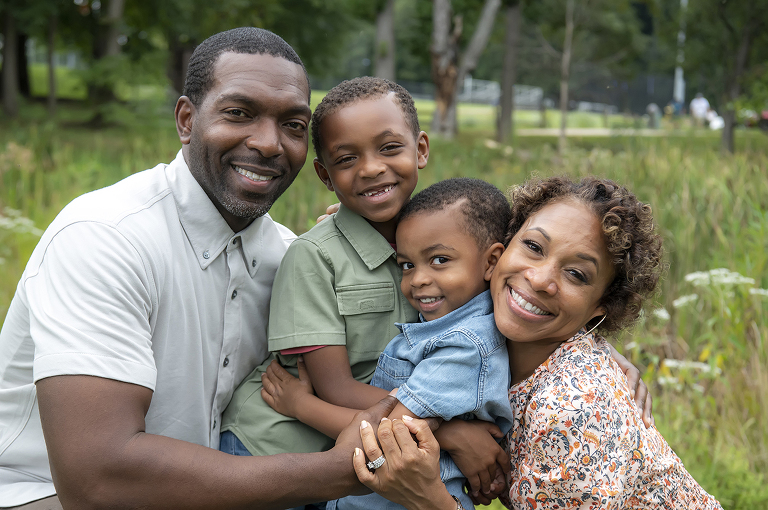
(591, 330)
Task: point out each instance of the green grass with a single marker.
(712, 210)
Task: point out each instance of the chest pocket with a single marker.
(391, 372)
(366, 298)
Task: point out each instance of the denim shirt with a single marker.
(454, 366)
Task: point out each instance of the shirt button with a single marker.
(234, 294)
(234, 242)
(253, 263)
(226, 362)
(206, 255)
(214, 423)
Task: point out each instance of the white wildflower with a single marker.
(719, 276)
(684, 300)
(759, 292)
(690, 365)
(673, 382)
(661, 314)
(13, 221)
(631, 345)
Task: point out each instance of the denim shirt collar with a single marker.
(480, 305)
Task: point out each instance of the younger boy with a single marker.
(454, 362)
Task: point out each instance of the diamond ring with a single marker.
(376, 463)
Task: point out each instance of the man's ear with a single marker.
(422, 147)
(492, 256)
(185, 117)
(323, 174)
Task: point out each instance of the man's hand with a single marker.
(334, 208)
(637, 388)
(283, 392)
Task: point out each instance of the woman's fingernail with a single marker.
(385, 419)
(357, 451)
(363, 424)
(407, 418)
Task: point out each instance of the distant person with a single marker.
(145, 304)
(699, 108)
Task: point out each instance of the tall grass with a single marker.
(711, 209)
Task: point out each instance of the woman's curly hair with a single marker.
(630, 236)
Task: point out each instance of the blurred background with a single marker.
(668, 97)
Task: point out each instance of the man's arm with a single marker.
(101, 456)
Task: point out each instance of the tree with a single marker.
(10, 63)
(449, 65)
(384, 57)
(727, 39)
(605, 32)
(505, 120)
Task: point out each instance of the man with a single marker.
(699, 108)
(146, 303)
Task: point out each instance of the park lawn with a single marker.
(712, 210)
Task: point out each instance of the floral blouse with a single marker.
(578, 440)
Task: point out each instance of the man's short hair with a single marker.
(484, 207)
(249, 40)
(365, 87)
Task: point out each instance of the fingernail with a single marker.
(357, 451)
(407, 418)
(363, 424)
(385, 419)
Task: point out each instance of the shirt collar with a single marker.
(207, 231)
(371, 246)
(480, 305)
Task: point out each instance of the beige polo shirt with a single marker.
(142, 282)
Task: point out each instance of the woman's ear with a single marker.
(322, 172)
(492, 256)
(185, 116)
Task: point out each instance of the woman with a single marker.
(581, 256)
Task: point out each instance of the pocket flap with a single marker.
(366, 298)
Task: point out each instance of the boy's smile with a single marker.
(370, 158)
(443, 266)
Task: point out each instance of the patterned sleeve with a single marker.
(578, 446)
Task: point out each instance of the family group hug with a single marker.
(171, 346)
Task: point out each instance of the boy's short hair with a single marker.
(365, 87)
(249, 40)
(485, 208)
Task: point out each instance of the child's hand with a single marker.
(473, 447)
(333, 208)
(282, 391)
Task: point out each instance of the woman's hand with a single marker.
(410, 475)
(637, 388)
(283, 392)
(473, 447)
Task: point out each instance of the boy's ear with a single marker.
(492, 256)
(321, 172)
(422, 148)
(185, 117)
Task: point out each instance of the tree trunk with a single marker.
(51, 66)
(447, 75)
(10, 66)
(178, 61)
(445, 56)
(384, 61)
(506, 122)
(565, 69)
(733, 89)
(21, 62)
(105, 46)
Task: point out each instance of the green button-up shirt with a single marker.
(338, 284)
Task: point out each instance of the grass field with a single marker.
(702, 345)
